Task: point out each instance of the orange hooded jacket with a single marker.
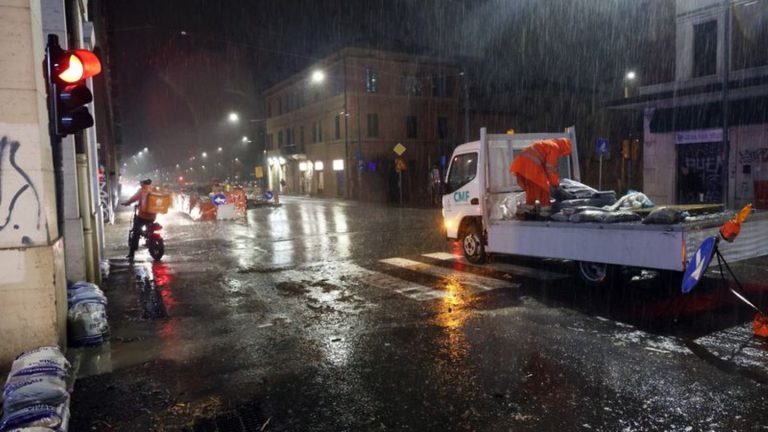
(538, 162)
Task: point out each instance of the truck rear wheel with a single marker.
(472, 245)
(595, 274)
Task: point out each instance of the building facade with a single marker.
(706, 134)
(331, 129)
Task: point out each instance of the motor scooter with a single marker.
(152, 237)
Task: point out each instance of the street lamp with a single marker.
(234, 117)
(219, 150)
(205, 154)
(146, 150)
(630, 80)
(318, 76)
(245, 139)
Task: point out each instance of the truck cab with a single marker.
(468, 184)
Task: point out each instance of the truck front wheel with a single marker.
(472, 245)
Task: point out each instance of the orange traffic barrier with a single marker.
(207, 211)
(760, 325)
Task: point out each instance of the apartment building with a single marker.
(706, 133)
(332, 128)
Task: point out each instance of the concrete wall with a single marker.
(659, 165)
(32, 289)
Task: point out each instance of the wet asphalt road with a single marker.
(331, 316)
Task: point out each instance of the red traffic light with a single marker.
(80, 65)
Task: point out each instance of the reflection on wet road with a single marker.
(322, 315)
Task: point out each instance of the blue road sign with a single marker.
(219, 199)
(698, 264)
(268, 195)
(601, 147)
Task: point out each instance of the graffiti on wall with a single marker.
(16, 185)
(753, 156)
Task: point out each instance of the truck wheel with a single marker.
(472, 245)
(595, 274)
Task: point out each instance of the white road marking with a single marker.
(468, 280)
(737, 344)
(409, 289)
(504, 267)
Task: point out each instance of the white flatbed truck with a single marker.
(478, 179)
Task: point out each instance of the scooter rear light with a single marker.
(157, 227)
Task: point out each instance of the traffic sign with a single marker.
(259, 171)
(601, 147)
(219, 199)
(399, 149)
(268, 195)
(698, 264)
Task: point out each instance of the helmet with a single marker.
(565, 146)
(146, 182)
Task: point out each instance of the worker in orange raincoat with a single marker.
(536, 168)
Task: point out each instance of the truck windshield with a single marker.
(463, 171)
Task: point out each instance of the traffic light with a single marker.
(67, 90)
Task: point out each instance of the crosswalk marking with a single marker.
(442, 256)
(409, 289)
(469, 280)
(504, 267)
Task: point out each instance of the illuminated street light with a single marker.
(177, 165)
(318, 76)
(630, 83)
(219, 149)
(234, 117)
(205, 154)
(146, 150)
(245, 139)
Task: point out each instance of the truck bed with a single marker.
(665, 247)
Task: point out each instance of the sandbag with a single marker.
(39, 357)
(665, 216)
(632, 200)
(40, 415)
(621, 216)
(46, 390)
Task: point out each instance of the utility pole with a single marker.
(725, 84)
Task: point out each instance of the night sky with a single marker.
(182, 65)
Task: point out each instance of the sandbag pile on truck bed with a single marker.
(573, 194)
(35, 395)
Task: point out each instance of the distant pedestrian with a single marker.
(435, 184)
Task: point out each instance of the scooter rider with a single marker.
(143, 219)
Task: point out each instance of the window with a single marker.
(750, 36)
(285, 103)
(269, 141)
(438, 86)
(411, 85)
(269, 109)
(373, 125)
(371, 81)
(705, 49)
(317, 132)
(450, 83)
(279, 106)
(442, 128)
(462, 171)
(279, 139)
(337, 127)
(410, 127)
(301, 135)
